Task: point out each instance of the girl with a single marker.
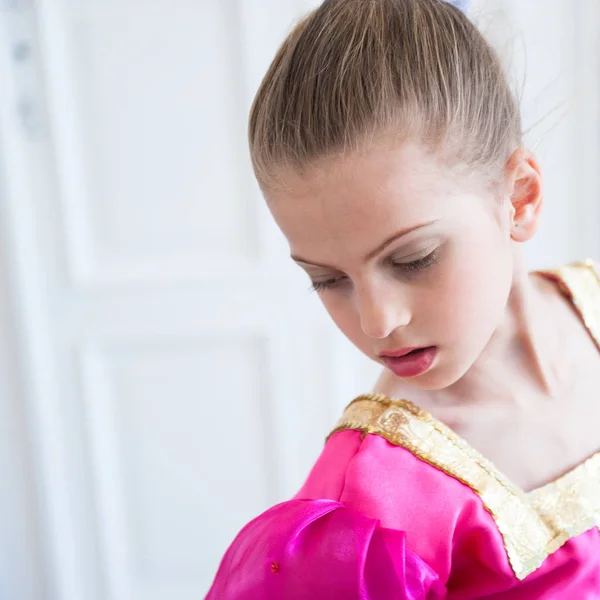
(388, 147)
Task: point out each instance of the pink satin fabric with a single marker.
(320, 550)
(445, 522)
(374, 522)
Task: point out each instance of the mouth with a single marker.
(410, 362)
(400, 352)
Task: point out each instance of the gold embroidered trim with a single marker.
(533, 525)
(581, 283)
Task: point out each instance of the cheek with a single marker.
(476, 287)
(343, 313)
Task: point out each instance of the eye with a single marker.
(319, 286)
(420, 264)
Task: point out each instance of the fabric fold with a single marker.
(321, 550)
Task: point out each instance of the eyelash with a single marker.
(410, 267)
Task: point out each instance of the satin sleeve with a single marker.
(321, 550)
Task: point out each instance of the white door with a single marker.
(174, 376)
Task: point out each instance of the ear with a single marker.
(524, 179)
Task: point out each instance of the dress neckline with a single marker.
(533, 524)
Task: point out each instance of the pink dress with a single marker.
(398, 506)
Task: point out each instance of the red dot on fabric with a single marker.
(275, 568)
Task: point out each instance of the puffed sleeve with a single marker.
(321, 550)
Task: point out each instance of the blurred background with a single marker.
(165, 374)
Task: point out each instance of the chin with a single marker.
(439, 377)
(430, 382)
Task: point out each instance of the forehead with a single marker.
(354, 200)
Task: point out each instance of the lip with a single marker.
(400, 352)
(409, 362)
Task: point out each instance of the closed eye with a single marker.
(418, 265)
(411, 267)
(319, 286)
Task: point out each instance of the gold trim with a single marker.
(533, 524)
(581, 284)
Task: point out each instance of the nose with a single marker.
(382, 310)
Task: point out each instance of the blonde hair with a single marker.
(354, 71)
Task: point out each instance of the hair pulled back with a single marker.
(354, 71)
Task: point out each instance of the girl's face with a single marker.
(404, 253)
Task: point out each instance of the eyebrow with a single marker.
(377, 250)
